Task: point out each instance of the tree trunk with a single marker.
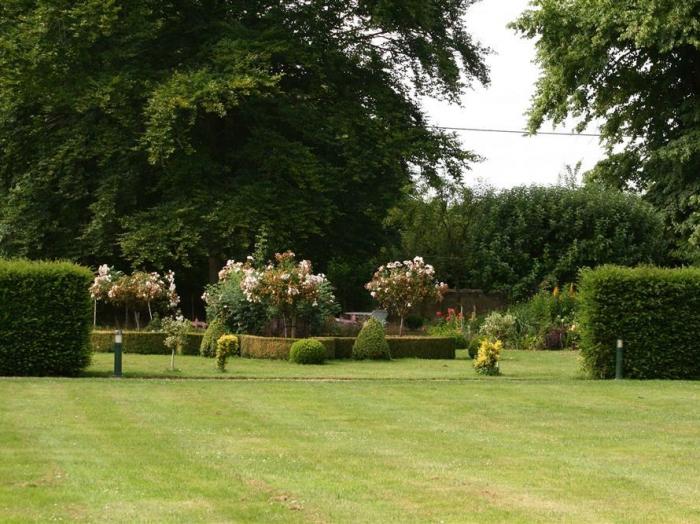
(94, 314)
(294, 326)
(150, 313)
(137, 319)
(401, 327)
(284, 325)
(172, 360)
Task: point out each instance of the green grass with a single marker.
(515, 365)
(536, 445)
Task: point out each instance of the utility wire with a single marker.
(514, 131)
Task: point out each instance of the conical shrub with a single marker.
(371, 342)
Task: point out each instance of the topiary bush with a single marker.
(226, 346)
(45, 317)
(215, 330)
(307, 351)
(371, 342)
(655, 311)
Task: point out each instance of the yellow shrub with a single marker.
(486, 362)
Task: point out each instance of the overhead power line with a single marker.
(514, 131)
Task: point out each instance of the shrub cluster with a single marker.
(307, 351)
(546, 321)
(143, 342)
(371, 342)
(655, 312)
(45, 312)
(499, 326)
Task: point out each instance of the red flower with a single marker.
(439, 314)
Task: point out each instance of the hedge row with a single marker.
(146, 342)
(341, 347)
(45, 312)
(277, 348)
(142, 342)
(656, 312)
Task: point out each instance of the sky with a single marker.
(509, 159)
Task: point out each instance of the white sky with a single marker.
(509, 159)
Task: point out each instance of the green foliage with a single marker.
(546, 321)
(486, 362)
(474, 345)
(159, 134)
(414, 322)
(634, 67)
(143, 342)
(442, 348)
(513, 241)
(227, 304)
(277, 348)
(653, 310)
(499, 326)
(371, 342)
(226, 346)
(453, 325)
(215, 330)
(45, 316)
(307, 351)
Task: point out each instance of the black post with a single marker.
(118, 353)
(619, 354)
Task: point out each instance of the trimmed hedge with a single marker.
(45, 315)
(341, 347)
(655, 311)
(142, 342)
(422, 347)
(277, 348)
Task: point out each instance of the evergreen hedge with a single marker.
(142, 342)
(45, 315)
(655, 311)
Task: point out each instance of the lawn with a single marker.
(388, 442)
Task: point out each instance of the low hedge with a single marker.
(142, 342)
(45, 314)
(422, 347)
(655, 311)
(277, 348)
(341, 347)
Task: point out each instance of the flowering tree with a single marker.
(398, 286)
(134, 291)
(286, 285)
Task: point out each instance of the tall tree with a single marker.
(634, 65)
(165, 132)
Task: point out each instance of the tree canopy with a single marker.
(515, 241)
(161, 133)
(633, 66)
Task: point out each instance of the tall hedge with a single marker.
(655, 311)
(45, 315)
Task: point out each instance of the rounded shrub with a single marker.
(371, 342)
(226, 346)
(307, 351)
(473, 347)
(486, 362)
(215, 330)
